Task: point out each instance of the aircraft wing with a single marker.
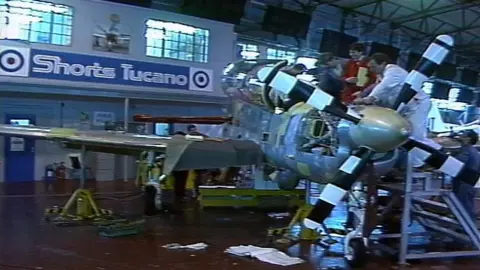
(181, 153)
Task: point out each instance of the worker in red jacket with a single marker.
(356, 73)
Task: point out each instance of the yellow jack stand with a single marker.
(86, 209)
(286, 233)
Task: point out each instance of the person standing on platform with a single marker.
(357, 74)
(326, 75)
(470, 156)
(471, 114)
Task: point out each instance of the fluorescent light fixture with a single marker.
(249, 54)
(309, 62)
(453, 94)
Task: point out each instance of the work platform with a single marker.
(420, 200)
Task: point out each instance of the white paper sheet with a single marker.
(268, 255)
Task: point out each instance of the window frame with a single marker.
(51, 26)
(205, 55)
(248, 47)
(286, 52)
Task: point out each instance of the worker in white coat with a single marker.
(387, 90)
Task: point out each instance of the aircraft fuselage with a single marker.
(298, 144)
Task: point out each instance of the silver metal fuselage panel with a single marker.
(281, 136)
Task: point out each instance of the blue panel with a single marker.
(94, 69)
(19, 153)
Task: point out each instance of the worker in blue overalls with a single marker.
(470, 156)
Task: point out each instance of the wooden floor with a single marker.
(27, 242)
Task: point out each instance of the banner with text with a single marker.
(33, 63)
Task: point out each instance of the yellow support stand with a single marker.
(142, 173)
(86, 208)
(239, 197)
(287, 235)
(190, 183)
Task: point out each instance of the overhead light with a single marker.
(249, 54)
(453, 94)
(309, 62)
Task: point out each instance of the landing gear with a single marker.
(153, 202)
(288, 184)
(356, 241)
(287, 180)
(357, 255)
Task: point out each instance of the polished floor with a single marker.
(28, 242)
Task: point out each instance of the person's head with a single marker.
(295, 70)
(470, 137)
(378, 61)
(357, 51)
(325, 59)
(300, 68)
(191, 129)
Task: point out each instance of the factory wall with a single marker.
(61, 100)
(90, 13)
(53, 111)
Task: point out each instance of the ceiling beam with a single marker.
(367, 4)
(436, 11)
(458, 30)
(467, 47)
(416, 31)
(325, 2)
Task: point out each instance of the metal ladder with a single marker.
(446, 216)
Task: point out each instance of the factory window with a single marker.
(176, 41)
(247, 51)
(276, 54)
(36, 21)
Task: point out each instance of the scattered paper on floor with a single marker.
(197, 246)
(279, 215)
(217, 186)
(268, 255)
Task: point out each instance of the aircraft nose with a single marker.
(380, 129)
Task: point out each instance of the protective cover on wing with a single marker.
(181, 153)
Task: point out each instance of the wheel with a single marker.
(358, 253)
(288, 184)
(150, 208)
(287, 180)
